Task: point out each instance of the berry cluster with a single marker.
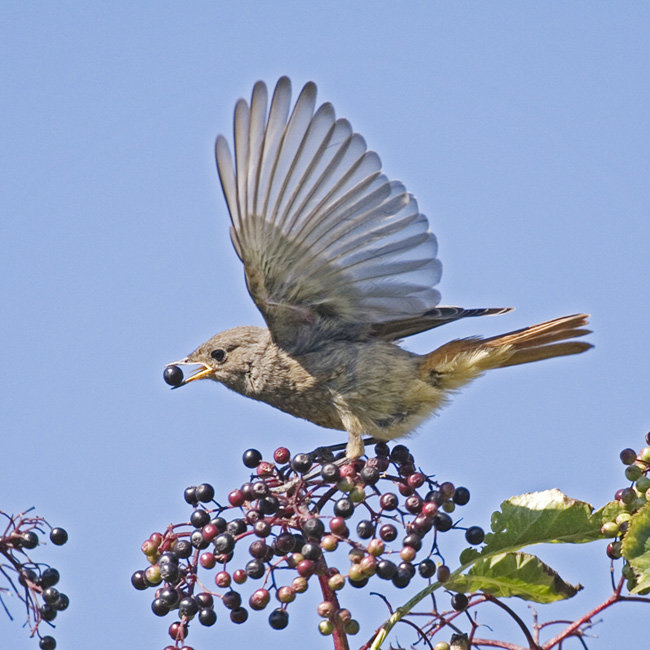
(633, 497)
(33, 583)
(281, 529)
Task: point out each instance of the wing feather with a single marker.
(331, 247)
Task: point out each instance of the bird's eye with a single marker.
(218, 355)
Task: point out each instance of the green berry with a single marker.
(609, 529)
(326, 628)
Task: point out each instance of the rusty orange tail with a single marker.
(458, 362)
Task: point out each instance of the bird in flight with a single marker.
(342, 264)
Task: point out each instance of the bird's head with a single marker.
(227, 358)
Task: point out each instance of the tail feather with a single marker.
(458, 362)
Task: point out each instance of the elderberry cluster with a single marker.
(32, 582)
(287, 528)
(633, 497)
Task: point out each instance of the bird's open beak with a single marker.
(201, 373)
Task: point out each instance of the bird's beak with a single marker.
(202, 373)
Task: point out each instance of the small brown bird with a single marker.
(342, 264)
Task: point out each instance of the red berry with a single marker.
(281, 455)
(236, 498)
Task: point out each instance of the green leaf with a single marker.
(537, 517)
(636, 549)
(515, 574)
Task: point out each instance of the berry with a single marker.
(281, 455)
(442, 522)
(198, 541)
(224, 543)
(159, 607)
(58, 536)
(311, 551)
(413, 504)
(183, 548)
(381, 449)
(268, 505)
(255, 569)
(414, 541)
(388, 532)
(190, 495)
(50, 595)
(461, 496)
(169, 596)
(459, 602)
(301, 463)
(330, 473)
(326, 627)
(386, 569)
(188, 607)
(427, 568)
(285, 594)
(474, 535)
(238, 615)
(443, 573)
(236, 527)
(400, 454)
(207, 616)
(388, 501)
(173, 376)
(369, 475)
(204, 492)
(313, 528)
(47, 643)
(251, 458)
(344, 508)
(627, 456)
(50, 577)
(139, 581)
(29, 539)
(199, 518)
(365, 529)
(259, 599)
(279, 619)
(48, 612)
(231, 600)
(401, 578)
(339, 527)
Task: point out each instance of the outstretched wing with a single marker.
(331, 247)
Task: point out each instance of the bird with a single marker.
(342, 265)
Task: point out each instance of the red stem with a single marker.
(339, 636)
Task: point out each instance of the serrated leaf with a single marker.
(537, 517)
(636, 548)
(515, 574)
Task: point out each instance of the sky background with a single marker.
(523, 129)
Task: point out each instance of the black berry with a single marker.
(173, 376)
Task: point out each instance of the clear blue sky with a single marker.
(523, 129)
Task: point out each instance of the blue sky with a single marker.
(523, 129)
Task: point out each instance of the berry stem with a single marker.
(339, 635)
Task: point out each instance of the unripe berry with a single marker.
(352, 627)
(326, 609)
(259, 599)
(222, 579)
(376, 547)
(281, 455)
(609, 529)
(336, 582)
(299, 584)
(326, 627)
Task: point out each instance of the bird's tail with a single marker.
(457, 362)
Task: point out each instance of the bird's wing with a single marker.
(331, 247)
